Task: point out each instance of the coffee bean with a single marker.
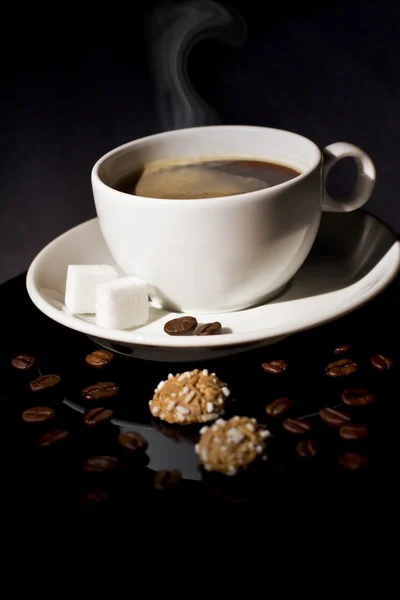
(332, 416)
(97, 415)
(353, 431)
(38, 414)
(307, 449)
(342, 349)
(165, 480)
(357, 397)
(99, 464)
(104, 390)
(44, 382)
(353, 461)
(380, 362)
(94, 499)
(278, 407)
(209, 328)
(296, 426)
(180, 326)
(132, 441)
(23, 362)
(99, 358)
(275, 367)
(341, 368)
(52, 437)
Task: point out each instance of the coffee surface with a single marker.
(206, 179)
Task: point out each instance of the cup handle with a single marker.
(365, 181)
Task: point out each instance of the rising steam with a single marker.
(174, 28)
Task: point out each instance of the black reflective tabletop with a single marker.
(57, 474)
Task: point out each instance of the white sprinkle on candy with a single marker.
(180, 417)
(250, 426)
(203, 429)
(207, 467)
(156, 410)
(173, 395)
(250, 445)
(259, 449)
(171, 405)
(253, 420)
(215, 427)
(190, 397)
(220, 421)
(162, 416)
(231, 471)
(170, 376)
(161, 385)
(204, 454)
(205, 371)
(210, 407)
(225, 391)
(223, 448)
(185, 389)
(234, 436)
(217, 439)
(264, 433)
(209, 417)
(182, 410)
(220, 401)
(196, 448)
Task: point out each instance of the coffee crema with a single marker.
(205, 179)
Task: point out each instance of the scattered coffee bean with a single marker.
(341, 368)
(181, 326)
(100, 464)
(104, 390)
(353, 431)
(380, 362)
(97, 415)
(278, 407)
(275, 367)
(99, 358)
(342, 349)
(353, 461)
(332, 416)
(52, 437)
(38, 414)
(165, 480)
(132, 441)
(44, 382)
(297, 426)
(209, 328)
(307, 449)
(357, 397)
(23, 362)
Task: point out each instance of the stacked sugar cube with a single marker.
(117, 302)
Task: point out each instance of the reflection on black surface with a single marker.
(54, 475)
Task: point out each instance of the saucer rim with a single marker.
(193, 342)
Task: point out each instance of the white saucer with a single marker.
(354, 258)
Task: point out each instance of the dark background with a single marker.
(74, 85)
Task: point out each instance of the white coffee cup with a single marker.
(221, 254)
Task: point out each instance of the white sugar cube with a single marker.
(123, 303)
(81, 286)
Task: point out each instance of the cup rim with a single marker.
(95, 177)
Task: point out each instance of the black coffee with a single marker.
(207, 179)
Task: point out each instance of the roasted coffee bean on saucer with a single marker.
(181, 326)
(275, 367)
(209, 328)
(52, 437)
(296, 426)
(103, 390)
(38, 414)
(340, 350)
(278, 407)
(23, 362)
(353, 461)
(341, 368)
(100, 464)
(44, 382)
(132, 441)
(333, 416)
(166, 480)
(357, 397)
(380, 362)
(353, 431)
(307, 448)
(99, 359)
(97, 415)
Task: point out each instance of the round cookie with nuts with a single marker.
(231, 446)
(190, 397)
